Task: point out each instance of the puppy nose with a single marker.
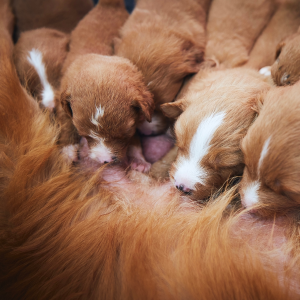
(183, 188)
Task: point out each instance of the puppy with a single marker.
(232, 28)
(166, 41)
(284, 22)
(39, 56)
(106, 99)
(67, 234)
(56, 14)
(95, 32)
(270, 148)
(285, 70)
(214, 114)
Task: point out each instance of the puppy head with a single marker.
(285, 70)
(271, 152)
(209, 128)
(106, 99)
(163, 57)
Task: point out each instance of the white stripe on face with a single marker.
(99, 113)
(251, 191)
(100, 152)
(251, 194)
(36, 60)
(188, 172)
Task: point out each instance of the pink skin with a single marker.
(136, 159)
(155, 147)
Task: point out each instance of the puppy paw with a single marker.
(70, 153)
(266, 71)
(140, 165)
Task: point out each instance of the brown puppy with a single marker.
(284, 22)
(232, 28)
(166, 41)
(285, 70)
(106, 99)
(39, 56)
(56, 14)
(95, 32)
(271, 152)
(66, 234)
(214, 114)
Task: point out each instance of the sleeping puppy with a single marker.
(56, 14)
(285, 70)
(271, 153)
(39, 56)
(95, 32)
(166, 41)
(283, 23)
(214, 114)
(232, 28)
(106, 99)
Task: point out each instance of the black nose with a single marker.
(180, 187)
(106, 162)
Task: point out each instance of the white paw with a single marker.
(70, 153)
(266, 71)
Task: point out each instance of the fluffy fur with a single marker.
(230, 39)
(271, 154)
(52, 45)
(215, 111)
(67, 232)
(166, 41)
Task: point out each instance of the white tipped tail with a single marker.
(35, 58)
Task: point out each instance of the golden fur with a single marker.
(283, 23)
(232, 28)
(208, 92)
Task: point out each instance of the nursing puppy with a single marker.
(56, 14)
(283, 23)
(214, 114)
(285, 70)
(106, 99)
(270, 149)
(39, 56)
(65, 233)
(166, 41)
(232, 28)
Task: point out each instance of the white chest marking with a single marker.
(36, 60)
(188, 172)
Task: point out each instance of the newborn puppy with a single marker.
(286, 68)
(271, 153)
(95, 32)
(166, 41)
(214, 114)
(39, 56)
(232, 28)
(106, 99)
(284, 22)
(56, 14)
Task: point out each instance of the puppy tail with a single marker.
(35, 58)
(112, 3)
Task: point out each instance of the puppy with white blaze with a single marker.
(214, 112)
(271, 151)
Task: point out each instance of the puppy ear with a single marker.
(116, 43)
(173, 109)
(193, 57)
(146, 105)
(66, 104)
(279, 48)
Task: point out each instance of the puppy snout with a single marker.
(183, 188)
